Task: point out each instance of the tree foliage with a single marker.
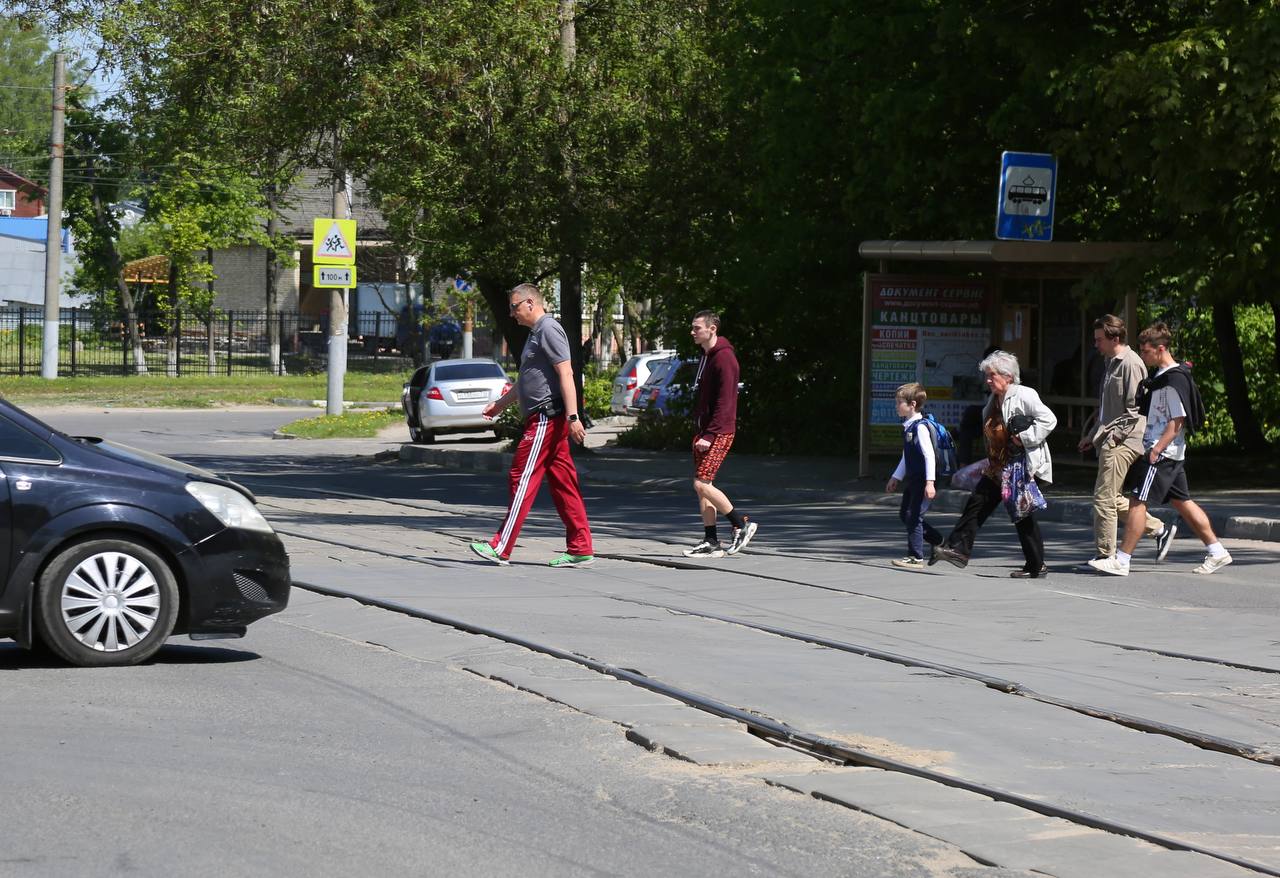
(732, 153)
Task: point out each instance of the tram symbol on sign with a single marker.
(1027, 190)
(1029, 196)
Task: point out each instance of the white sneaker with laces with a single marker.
(908, 563)
(705, 549)
(1210, 564)
(1114, 566)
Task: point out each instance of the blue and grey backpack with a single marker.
(944, 448)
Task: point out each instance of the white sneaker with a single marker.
(705, 549)
(1113, 566)
(1210, 564)
(741, 536)
(908, 563)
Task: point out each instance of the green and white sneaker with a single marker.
(564, 559)
(487, 552)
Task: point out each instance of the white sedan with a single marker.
(449, 396)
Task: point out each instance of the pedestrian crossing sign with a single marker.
(333, 241)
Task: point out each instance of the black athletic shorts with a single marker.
(1159, 482)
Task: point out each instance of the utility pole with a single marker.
(570, 257)
(337, 300)
(53, 237)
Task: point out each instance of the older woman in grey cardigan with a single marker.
(1014, 422)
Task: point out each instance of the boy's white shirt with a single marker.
(1166, 405)
(926, 448)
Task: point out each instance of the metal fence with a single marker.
(225, 343)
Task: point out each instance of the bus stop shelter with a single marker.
(930, 309)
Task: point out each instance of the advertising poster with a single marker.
(931, 330)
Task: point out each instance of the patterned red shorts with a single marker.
(707, 463)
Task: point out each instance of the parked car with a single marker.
(631, 376)
(667, 383)
(108, 550)
(449, 396)
(657, 371)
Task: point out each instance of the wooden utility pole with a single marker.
(53, 237)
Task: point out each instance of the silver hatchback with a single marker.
(450, 396)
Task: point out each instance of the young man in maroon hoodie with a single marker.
(715, 415)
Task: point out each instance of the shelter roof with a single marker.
(1001, 252)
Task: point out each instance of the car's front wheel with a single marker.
(106, 602)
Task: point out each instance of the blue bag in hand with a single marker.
(1019, 491)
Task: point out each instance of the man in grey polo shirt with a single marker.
(1117, 435)
(549, 402)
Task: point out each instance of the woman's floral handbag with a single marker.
(1019, 491)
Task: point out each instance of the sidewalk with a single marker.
(1252, 514)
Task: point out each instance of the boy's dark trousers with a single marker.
(981, 503)
(914, 505)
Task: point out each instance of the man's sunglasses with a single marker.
(515, 306)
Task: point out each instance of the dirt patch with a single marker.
(886, 749)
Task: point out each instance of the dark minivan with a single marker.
(105, 550)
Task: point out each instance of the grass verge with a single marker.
(195, 391)
(348, 425)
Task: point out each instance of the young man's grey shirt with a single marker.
(1119, 398)
(538, 382)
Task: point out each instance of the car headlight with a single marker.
(229, 506)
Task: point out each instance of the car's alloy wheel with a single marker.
(107, 602)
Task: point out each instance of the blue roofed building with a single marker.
(22, 256)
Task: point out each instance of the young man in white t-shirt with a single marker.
(1159, 476)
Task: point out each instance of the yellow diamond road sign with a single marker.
(333, 241)
(335, 276)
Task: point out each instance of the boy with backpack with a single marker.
(922, 462)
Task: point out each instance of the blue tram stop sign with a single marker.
(1028, 184)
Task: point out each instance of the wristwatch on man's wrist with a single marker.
(573, 419)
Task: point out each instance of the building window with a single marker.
(8, 198)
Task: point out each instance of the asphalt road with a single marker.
(295, 752)
(307, 749)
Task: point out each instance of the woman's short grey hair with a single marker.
(1003, 363)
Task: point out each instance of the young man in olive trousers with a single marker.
(1117, 436)
(549, 401)
(715, 414)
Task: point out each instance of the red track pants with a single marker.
(544, 449)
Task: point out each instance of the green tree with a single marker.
(26, 69)
(189, 215)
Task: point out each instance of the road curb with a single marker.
(295, 402)
(1071, 511)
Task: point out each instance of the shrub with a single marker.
(658, 433)
(597, 393)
